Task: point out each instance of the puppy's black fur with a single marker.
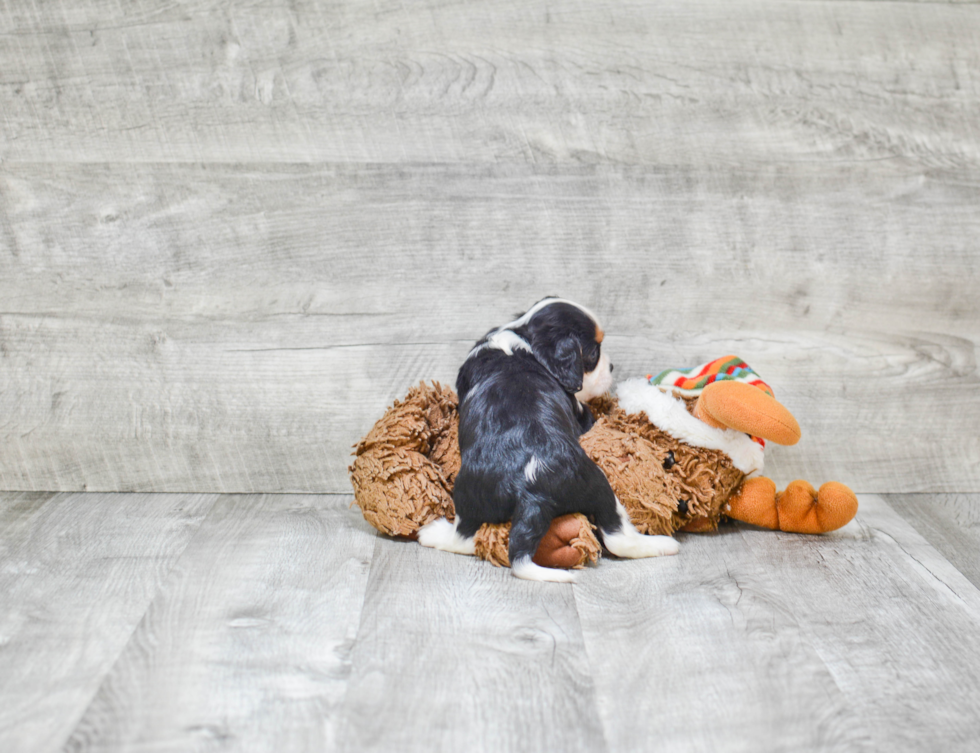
(521, 406)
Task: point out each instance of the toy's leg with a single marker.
(569, 542)
(755, 503)
(798, 509)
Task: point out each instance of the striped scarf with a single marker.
(690, 382)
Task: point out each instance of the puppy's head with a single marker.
(567, 340)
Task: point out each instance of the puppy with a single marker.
(521, 392)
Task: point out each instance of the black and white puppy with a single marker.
(521, 392)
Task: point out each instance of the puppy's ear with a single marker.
(563, 359)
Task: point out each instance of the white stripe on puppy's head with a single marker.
(526, 316)
(564, 337)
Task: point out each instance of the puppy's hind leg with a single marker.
(622, 539)
(441, 534)
(528, 527)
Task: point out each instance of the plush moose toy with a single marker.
(681, 450)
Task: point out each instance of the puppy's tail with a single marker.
(528, 526)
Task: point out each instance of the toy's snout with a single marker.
(744, 407)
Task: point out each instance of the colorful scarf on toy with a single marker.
(690, 382)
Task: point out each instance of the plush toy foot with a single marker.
(556, 548)
(802, 509)
(798, 509)
(569, 543)
(744, 407)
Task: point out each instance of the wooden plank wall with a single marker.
(232, 233)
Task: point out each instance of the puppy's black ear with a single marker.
(563, 359)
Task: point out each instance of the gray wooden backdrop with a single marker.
(232, 233)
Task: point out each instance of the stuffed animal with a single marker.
(681, 449)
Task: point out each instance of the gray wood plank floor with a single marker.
(250, 639)
(77, 574)
(161, 622)
(950, 522)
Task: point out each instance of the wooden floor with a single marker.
(284, 623)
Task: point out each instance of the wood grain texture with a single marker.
(268, 632)
(950, 522)
(709, 83)
(455, 654)
(237, 328)
(248, 645)
(894, 629)
(750, 639)
(77, 572)
(698, 652)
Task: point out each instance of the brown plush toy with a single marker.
(681, 450)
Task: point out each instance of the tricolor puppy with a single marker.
(521, 392)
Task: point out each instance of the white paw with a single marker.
(437, 532)
(441, 534)
(633, 545)
(525, 569)
(630, 543)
